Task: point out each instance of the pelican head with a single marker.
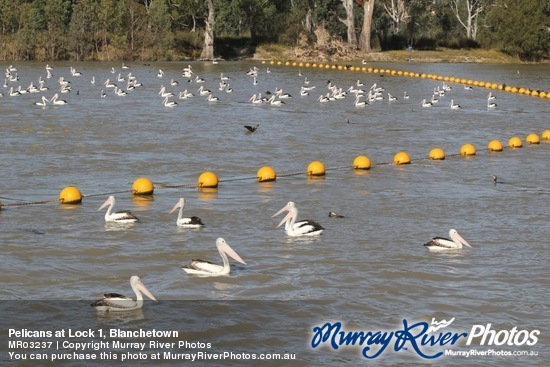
(110, 201)
(290, 205)
(224, 247)
(458, 238)
(138, 286)
(179, 204)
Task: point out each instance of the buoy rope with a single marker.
(290, 174)
(107, 193)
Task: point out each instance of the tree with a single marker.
(349, 22)
(521, 28)
(364, 38)
(208, 48)
(398, 10)
(472, 9)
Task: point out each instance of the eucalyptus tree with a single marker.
(365, 37)
(467, 12)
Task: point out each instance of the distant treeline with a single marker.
(175, 29)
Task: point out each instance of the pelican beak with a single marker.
(145, 291)
(229, 251)
(287, 217)
(462, 240)
(107, 202)
(174, 208)
(285, 208)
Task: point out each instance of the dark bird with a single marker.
(334, 215)
(251, 129)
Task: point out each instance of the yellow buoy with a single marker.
(546, 135)
(401, 158)
(515, 142)
(532, 139)
(495, 146)
(70, 195)
(437, 154)
(315, 168)
(143, 186)
(468, 149)
(266, 174)
(207, 179)
(361, 162)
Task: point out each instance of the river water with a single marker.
(369, 270)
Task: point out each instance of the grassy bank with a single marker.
(278, 52)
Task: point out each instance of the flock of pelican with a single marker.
(292, 225)
(293, 228)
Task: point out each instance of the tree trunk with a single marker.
(208, 49)
(364, 39)
(350, 24)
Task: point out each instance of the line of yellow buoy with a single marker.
(412, 74)
(209, 180)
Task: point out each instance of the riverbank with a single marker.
(277, 52)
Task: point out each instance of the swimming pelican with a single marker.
(56, 101)
(391, 97)
(454, 106)
(193, 222)
(168, 103)
(160, 73)
(405, 95)
(202, 91)
(118, 302)
(202, 267)
(296, 229)
(274, 102)
(425, 103)
(121, 216)
(212, 98)
(43, 103)
(490, 97)
(444, 244)
(491, 105)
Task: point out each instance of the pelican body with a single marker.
(122, 216)
(118, 302)
(193, 222)
(297, 229)
(206, 268)
(444, 244)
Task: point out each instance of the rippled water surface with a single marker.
(369, 270)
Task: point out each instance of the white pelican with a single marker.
(275, 102)
(118, 302)
(43, 103)
(193, 222)
(168, 103)
(425, 103)
(490, 97)
(454, 106)
(160, 73)
(405, 95)
(391, 97)
(212, 98)
(359, 103)
(444, 244)
(491, 105)
(122, 216)
(296, 229)
(202, 267)
(203, 92)
(56, 101)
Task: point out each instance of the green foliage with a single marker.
(174, 29)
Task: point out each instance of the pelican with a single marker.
(454, 106)
(490, 97)
(275, 102)
(491, 105)
(296, 229)
(56, 101)
(405, 95)
(203, 92)
(118, 302)
(122, 216)
(43, 103)
(391, 97)
(425, 103)
(212, 98)
(160, 73)
(444, 244)
(193, 222)
(202, 267)
(168, 103)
